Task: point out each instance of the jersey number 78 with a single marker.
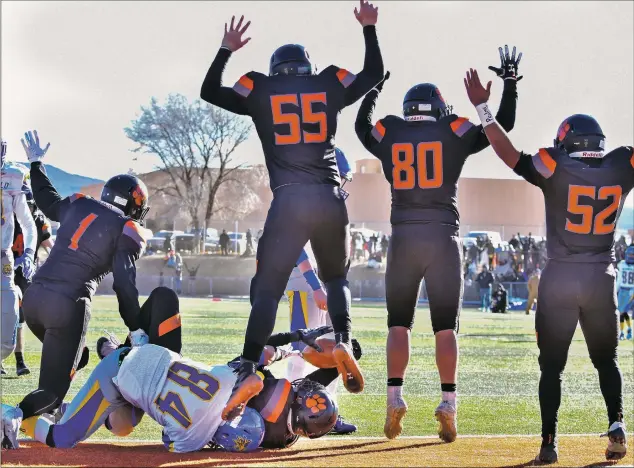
(199, 383)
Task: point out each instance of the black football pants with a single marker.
(298, 214)
(570, 293)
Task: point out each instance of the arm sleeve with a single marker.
(363, 125)
(370, 75)
(129, 248)
(280, 339)
(46, 197)
(324, 376)
(536, 169)
(24, 217)
(214, 93)
(505, 116)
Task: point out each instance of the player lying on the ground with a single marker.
(422, 155)
(187, 398)
(14, 189)
(584, 190)
(625, 291)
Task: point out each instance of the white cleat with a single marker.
(395, 414)
(11, 421)
(617, 442)
(446, 415)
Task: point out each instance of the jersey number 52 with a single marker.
(199, 383)
(296, 134)
(591, 223)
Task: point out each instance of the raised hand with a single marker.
(367, 14)
(379, 87)
(476, 92)
(508, 69)
(32, 146)
(232, 39)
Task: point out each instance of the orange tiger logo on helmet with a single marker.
(315, 403)
(139, 196)
(564, 128)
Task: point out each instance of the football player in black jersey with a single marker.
(295, 111)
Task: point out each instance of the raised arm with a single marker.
(372, 72)
(212, 90)
(363, 125)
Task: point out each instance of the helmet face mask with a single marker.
(291, 59)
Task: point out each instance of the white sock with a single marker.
(450, 397)
(394, 393)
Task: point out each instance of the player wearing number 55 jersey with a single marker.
(584, 190)
(295, 112)
(422, 156)
(95, 237)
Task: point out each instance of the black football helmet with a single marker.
(290, 59)
(580, 136)
(425, 100)
(129, 194)
(314, 412)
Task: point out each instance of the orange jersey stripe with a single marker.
(455, 125)
(547, 159)
(341, 74)
(380, 128)
(246, 82)
(632, 159)
(280, 404)
(169, 325)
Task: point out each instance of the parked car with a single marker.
(238, 242)
(496, 238)
(158, 240)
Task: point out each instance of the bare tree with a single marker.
(195, 143)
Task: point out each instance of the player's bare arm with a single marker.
(507, 71)
(363, 125)
(319, 294)
(479, 97)
(372, 73)
(212, 90)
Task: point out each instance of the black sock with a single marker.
(448, 387)
(19, 358)
(394, 382)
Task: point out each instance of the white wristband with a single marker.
(486, 116)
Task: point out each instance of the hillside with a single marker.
(66, 183)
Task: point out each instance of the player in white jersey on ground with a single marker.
(15, 186)
(625, 291)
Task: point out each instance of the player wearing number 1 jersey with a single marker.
(422, 156)
(295, 112)
(95, 237)
(584, 190)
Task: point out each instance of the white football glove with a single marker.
(139, 338)
(32, 147)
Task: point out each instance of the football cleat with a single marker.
(617, 441)
(395, 414)
(11, 420)
(248, 385)
(342, 427)
(549, 452)
(21, 369)
(349, 368)
(629, 334)
(446, 415)
(622, 336)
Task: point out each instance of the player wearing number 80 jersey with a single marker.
(295, 112)
(584, 190)
(422, 157)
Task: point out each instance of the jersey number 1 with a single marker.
(296, 134)
(405, 177)
(87, 221)
(200, 384)
(589, 222)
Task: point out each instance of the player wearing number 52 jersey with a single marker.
(422, 156)
(95, 237)
(584, 190)
(295, 112)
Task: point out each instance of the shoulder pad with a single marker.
(76, 196)
(460, 125)
(245, 84)
(625, 152)
(344, 77)
(382, 125)
(545, 161)
(275, 401)
(136, 232)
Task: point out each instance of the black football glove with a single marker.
(379, 87)
(309, 336)
(508, 65)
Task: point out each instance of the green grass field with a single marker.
(497, 383)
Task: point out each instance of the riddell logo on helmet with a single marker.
(139, 196)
